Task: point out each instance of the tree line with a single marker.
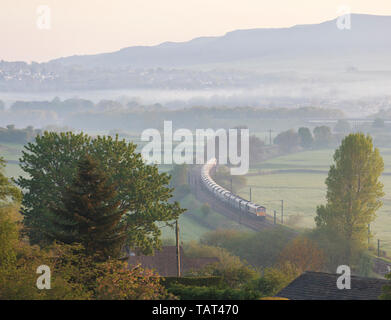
(320, 137)
(10, 134)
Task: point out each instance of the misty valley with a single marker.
(250, 164)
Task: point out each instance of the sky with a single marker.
(96, 26)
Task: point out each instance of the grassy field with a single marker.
(11, 153)
(189, 230)
(299, 179)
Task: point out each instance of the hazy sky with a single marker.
(95, 26)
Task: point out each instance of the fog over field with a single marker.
(315, 65)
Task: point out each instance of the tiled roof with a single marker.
(323, 286)
(164, 261)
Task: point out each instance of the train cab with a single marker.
(261, 211)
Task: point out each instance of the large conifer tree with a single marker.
(89, 213)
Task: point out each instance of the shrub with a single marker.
(193, 281)
(303, 254)
(205, 209)
(365, 265)
(76, 276)
(259, 249)
(231, 269)
(119, 283)
(211, 293)
(274, 279)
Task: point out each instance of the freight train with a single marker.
(227, 197)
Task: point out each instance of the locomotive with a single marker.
(227, 197)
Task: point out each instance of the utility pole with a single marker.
(378, 247)
(197, 186)
(282, 211)
(178, 252)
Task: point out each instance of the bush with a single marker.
(288, 141)
(231, 269)
(192, 281)
(259, 249)
(18, 282)
(386, 290)
(8, 238)
(274, 279)
(334, 249)
(12, 135)
(119, 283)
(303, 254)
(75, 276)
(205, 209)
(365, 265)
(211, 293)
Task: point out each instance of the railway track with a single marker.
(203, 196)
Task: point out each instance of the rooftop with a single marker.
(323, 286)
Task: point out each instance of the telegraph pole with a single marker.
(197, 185)
(178, 252)
(378, 247)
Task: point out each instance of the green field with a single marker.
(299, 179)
(11, 153)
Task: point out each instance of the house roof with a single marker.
(323, 286)
(164, 261)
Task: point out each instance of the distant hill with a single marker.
(367, 42)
